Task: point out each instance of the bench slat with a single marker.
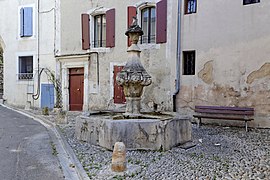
(225, 117)
(225, 108)
(224, 111)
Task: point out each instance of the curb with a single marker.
(71, 166)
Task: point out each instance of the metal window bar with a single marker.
(148, 39)
(191, 6)
(245, 2)
(25, 76)
(189, 63)
(99, 43)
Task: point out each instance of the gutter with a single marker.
(178, 55)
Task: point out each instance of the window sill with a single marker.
(26, 38)
(190, 13)
(100, 49)
(24, 81)
(149, 46)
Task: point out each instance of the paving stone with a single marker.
(240, 154)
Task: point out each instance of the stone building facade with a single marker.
(225, 48)
(28, 40)
(94, 45)
(197, 52)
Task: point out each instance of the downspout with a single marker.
(97, 56)
(36, 96)
(178, 55)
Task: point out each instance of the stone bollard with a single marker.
(119, 158)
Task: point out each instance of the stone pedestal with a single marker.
(133, 107)
(148, 134)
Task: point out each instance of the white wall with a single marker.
(15, 91)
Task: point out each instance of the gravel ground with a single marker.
(220, 153)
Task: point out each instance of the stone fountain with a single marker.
(135, 129)
(133, 77)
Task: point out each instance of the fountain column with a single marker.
(133, 76)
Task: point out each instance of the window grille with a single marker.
(99, 31)
(25, 68)
(189, 62)
(245, 2)
(191, 6)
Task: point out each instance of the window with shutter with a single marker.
(26, 22)
(153, 20)
(102, 29)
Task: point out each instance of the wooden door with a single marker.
(119, 96)
(76, 88)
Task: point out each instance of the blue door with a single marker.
(47, 95)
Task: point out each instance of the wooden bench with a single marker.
(223, 112)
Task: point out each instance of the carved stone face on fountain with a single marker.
(133, 77)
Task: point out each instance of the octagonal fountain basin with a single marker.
(149, 131)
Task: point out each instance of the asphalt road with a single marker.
(26, 149)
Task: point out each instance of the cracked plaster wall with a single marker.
(232, 59)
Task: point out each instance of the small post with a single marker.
(246, 126)
(119, 157)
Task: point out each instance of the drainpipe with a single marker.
(178, 55)
(89, 57)
(36, 96)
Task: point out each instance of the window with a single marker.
(100, 31)
(189, 62)
(148, 24)
(26, 22)
(25, 67)
(245, 2)
(153, 21)
(190, 6)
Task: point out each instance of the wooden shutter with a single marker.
(110, 28)
(28, 21)
(21, 22)
(132, 11)
(119, 96)
(85, 32)
(161, 36)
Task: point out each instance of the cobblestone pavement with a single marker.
(221, 153)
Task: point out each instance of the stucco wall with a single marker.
(15, 91)
(156, 58)
(232, 44)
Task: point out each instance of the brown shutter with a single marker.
(85, 32)
(110, 28)
(119, 96)
(161, 22)
(131, 13)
